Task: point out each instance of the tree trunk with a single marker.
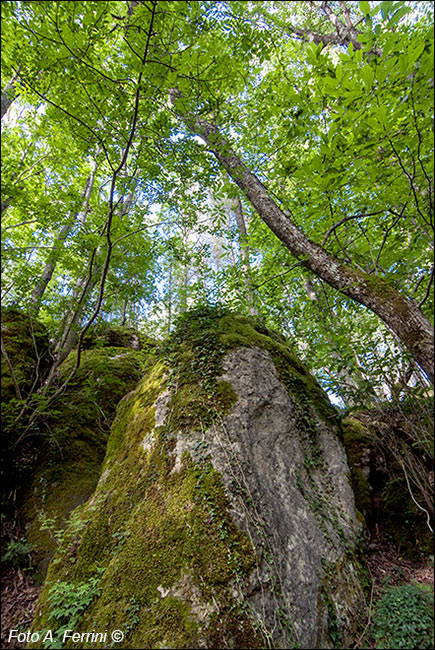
(236, 207)
(402, 315)
(9, 93)
(124, 312)
(47, 274)
(71, 324)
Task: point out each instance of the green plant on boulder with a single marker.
(68, 602)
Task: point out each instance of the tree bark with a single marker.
(399, 313)
(9, 93)
(47, 274)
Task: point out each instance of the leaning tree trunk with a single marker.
(68, 338)
(400, 314)
(47, 273)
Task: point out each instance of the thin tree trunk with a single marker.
(124, 311)
(68, 339)
(82, 289)
(170, 297)
(236, 207)
(47, 273)
(9, 93)
(400, 314)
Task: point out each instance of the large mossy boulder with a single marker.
(75, 440)
(223, 516)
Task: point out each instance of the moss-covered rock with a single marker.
(27, 347)
(104, 335)
(403, 522)
(390, 455)
(360, 445)
(223, 497)
(70, 460)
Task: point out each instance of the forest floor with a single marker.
(385, 563)
(18, 601)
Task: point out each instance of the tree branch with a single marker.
(421, 303)
(346, 219)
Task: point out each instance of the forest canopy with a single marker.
(273, 157)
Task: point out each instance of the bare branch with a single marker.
(22, 223)
(345, 219)
(413, 498)
(421, 303)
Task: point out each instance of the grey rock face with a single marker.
(239, 535)
(287, 476)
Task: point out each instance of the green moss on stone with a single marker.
(104, 335)
(163, 536)
(158, 526)
(69, 464)
(403, 521)
(25, 340)
(359, 443)
(241, 331)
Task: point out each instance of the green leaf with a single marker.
(365, 7)
(386, 8)
(368, 75)
(397, 16)
(382, 115)
(414, 53)
(316, 162)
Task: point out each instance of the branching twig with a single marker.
(345, 219)
(413, 498)
(421, 303)
(369, 619)
(257, 286)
